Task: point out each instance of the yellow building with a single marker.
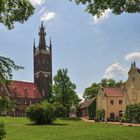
(115, 100)
(112, 101)
(132, 86)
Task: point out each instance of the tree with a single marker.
(6, 105)
(2, 131)
(12, 11)
(91, 91)
(6, 69)
(97, 7)
(110, 83)
(64, 90)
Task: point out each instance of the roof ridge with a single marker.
(22, 81)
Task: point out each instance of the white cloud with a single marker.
(46, 16)
(102, 17)
(42, 10)
(37, 2)
(115, 71)
(132, 56)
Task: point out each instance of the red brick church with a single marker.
(26, 93)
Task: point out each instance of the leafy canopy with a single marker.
(64, 90)
(92, 90)
(15, 11)
(97, 7)
(6, 69)
(6, 105)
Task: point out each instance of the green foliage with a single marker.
(91, 91)
(97, 7)
(132, 113)
(6, 69)
(64, 90)
(100, 115)
(2, 131)
(60, 110)
(111, 83)
(5, 105)
(15, 11)
(92, 110)
(43, 113)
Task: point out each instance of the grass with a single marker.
(23, 129)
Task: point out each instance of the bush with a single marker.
(60, 110)
(100, 115)
(43, 113)
(132, 113)
(2, 131)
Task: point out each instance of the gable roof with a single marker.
(113, 92)
(24, 90)
(86, 103)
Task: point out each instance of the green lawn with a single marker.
(22, 129)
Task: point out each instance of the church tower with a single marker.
(43, 64)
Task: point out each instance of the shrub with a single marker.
(43, 113)
(100, 115)
(132, 113)
(2, 131)
(60, 110)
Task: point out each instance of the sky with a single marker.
(91, 48)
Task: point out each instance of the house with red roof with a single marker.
(112, 101)
(27, 93)
(87, 109)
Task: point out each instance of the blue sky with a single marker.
(91, 49)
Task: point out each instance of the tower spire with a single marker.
(50, 44)
(42, 34)
(34, 46)
(134, 63)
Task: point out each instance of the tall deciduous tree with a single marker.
(64, 90)
(97, 7)
(6, 69)
(15, 11)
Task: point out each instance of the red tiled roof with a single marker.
(86, 103)
(24, 90)
(113, 92)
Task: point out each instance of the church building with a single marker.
(26, 93)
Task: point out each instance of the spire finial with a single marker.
(50, 44)
(41, 24)
(34, 42)
(34, 45)
(50, 41)
(42, 34)
(134, 63)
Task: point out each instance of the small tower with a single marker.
(43, 64)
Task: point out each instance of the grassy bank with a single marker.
(23, 129)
